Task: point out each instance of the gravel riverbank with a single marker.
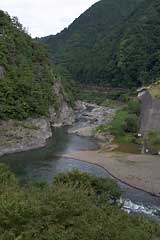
(135, 170)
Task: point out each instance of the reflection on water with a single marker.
(43, 164)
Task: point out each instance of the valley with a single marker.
(80, 126)
(66, 151)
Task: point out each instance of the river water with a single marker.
(43, 165)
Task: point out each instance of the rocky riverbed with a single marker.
(18, 136)
(89, 117)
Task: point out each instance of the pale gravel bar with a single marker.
(139, 171)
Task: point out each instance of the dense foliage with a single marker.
(101, 95)
(27, 79)
(114, 42)
(74, 207)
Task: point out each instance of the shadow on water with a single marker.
(42, 164)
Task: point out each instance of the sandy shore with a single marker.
(140, 171)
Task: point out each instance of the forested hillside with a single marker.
(92, 26)
(26, 75)
(113, 42)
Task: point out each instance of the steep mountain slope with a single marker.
(94, 24)
(114, 42)
(27, 77)
(74, 46)
(132, 53)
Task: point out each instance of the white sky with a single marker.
(45, 17)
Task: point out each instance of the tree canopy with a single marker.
(76, 206)
(26, 83)
(113, 42)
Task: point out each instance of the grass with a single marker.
(125, 125)
(126, 139)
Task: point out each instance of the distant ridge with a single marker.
(113, 42)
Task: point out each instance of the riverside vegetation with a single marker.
(153, 139)
(125, 125)
(76, 206)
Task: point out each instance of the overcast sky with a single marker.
(45, 17)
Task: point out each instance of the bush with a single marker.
(101, 187)
(68, 209)
(154, 138)
(131, 123)
(133, 107)
(125, 124)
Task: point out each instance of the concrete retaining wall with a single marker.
(150, 113)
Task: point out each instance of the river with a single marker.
(43, 165)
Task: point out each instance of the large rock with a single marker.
(62, 114)
(89, 116)
(63, 117)
(18, 136)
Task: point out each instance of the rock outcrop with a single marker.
(18, 136)
(61, 114)
(88, 117)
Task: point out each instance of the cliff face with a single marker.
(150, 113)
(17, 136)
(60, 114)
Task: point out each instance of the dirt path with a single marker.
(140, 171)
